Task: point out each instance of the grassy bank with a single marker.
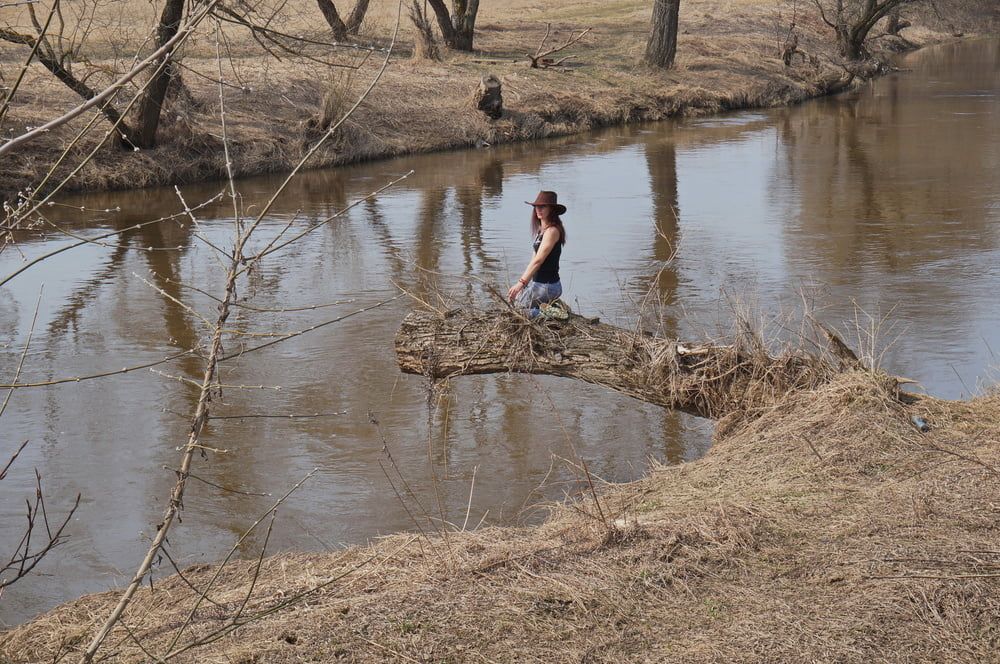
(829, 529)
(728, 58)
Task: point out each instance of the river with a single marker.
(878, 208)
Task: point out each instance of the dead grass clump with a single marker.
(425, 45)
(337, 99)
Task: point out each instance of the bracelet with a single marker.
(522, 281)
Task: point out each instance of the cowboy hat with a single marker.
(549, 198)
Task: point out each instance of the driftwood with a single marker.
(540, 59)
(705, 380)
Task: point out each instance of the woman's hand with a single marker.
(514, 291)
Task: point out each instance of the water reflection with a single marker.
(887, 198)
(661, 160)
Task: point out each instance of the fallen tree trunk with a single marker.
(705, 380)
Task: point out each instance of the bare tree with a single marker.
(61, 46)
(58, 53)
(57, 44)
(341, 29)
(662, 44)
(853, 20)
(424, 46)
(457, 27)
(148, 113)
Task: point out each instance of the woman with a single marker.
(539, 283)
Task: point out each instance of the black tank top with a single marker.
(548, 273)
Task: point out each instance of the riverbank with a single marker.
(728, 58)
(828, 529)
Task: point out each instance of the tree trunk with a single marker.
(333, 19)
(850, 46)
(457, 27)
(151, 103)
(708, 381)
(662, 44)
(465, 23)
(444, 22)
(854, 23)
(357, 16)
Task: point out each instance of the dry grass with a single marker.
(827, 529)
(728, 58)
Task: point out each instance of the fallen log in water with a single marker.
(705, 380)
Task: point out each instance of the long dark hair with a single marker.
(536, 224)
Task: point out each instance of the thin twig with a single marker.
(243, 305)
(271, 249)
(294, 599)
(312, 328)
(468, 508)
(538, 59)
(232, 551)
(20, 363)
(217, 486)
(194, 220)
(103, 374)
(290, 416)
(31, 56)
(257, 567)
(92, 240)
(200, 417)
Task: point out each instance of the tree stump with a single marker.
(489, 98)
(789, 49)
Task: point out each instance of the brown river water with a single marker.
(884, 201)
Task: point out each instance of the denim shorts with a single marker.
(536, 293)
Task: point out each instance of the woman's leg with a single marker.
(536, 294)
(553, 292)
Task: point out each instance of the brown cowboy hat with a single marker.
(549, 198)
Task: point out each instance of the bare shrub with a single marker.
(425, 46)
